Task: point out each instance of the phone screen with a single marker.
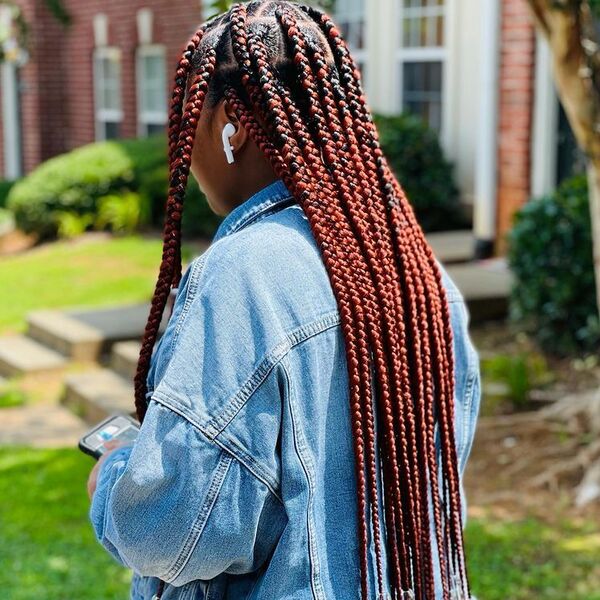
(118, 427)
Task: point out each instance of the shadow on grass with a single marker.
(47, 547)
(528, 559)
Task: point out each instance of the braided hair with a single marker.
(287, 73)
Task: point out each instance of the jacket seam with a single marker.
(315, 581)
(201, 519)
(255, 214)
(218, 423)
(197, 269)
(255, 470)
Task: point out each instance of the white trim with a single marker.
(484, 216)
(422, 54)
(100, 24)
(13, 167)
(145, 22)
(145, 118)
(544, 139)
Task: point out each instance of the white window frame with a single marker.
(425, 53)
(105, 115)
(146, 118)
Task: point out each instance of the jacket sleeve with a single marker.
(181, 504)
(179, 507)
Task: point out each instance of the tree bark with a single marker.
(569, 27)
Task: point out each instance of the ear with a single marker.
(224, 114)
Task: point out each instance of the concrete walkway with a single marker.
(40, 426)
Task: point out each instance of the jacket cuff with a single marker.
(110, 471)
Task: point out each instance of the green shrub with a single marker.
(5, 187)
(74, 182)
(414, 154)
(71, 225)
(550, 254)
(119, 213)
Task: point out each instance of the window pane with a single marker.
(350, 18)
(111, 130)
(422, 91)
(152, 85)
(108, 83)
(152, 128)
(423, 23)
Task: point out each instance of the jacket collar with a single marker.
(272, 196)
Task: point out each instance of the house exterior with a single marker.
(477, 73)
(474, 70)
(104, 75)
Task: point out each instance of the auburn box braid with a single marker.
(287, 73)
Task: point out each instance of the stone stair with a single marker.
(124, 358)
(96, 394)
(55, 338)
(21, 355)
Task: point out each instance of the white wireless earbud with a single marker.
(228, 131)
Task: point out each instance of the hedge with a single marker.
(416, 157)
(550, 254)
(74, 184)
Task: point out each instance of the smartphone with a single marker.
(119, 426)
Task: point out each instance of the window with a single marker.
(107, 92)
(350, 18)
(422, 57)
(151, 89)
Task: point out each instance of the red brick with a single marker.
(57, 102)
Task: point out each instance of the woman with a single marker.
(308, 412)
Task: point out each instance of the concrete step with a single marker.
(94, 395)
(21, 355)
(69, 336)
(452, 246)
(124, 358)
(86, 334)
(485, 285)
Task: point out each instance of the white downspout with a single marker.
(11, 123)
(486, 178)
(545, 123)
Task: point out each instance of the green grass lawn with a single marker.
(92, 272)
(47, 548)
(48, 552)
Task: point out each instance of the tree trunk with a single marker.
(593, 172)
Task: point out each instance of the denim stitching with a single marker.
(198, 527)
(255, 211)
(255, 469)
(218, 423)
(234, 447)
(197, 269)
(300, 444)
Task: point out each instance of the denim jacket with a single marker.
(241, 482)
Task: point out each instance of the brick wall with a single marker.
(57, 102)
(517, 68)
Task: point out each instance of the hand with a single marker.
(110, 446)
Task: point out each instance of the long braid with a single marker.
(300, 99)
(172, 230)
(443, 365)
(284, 126)
(391, 184)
